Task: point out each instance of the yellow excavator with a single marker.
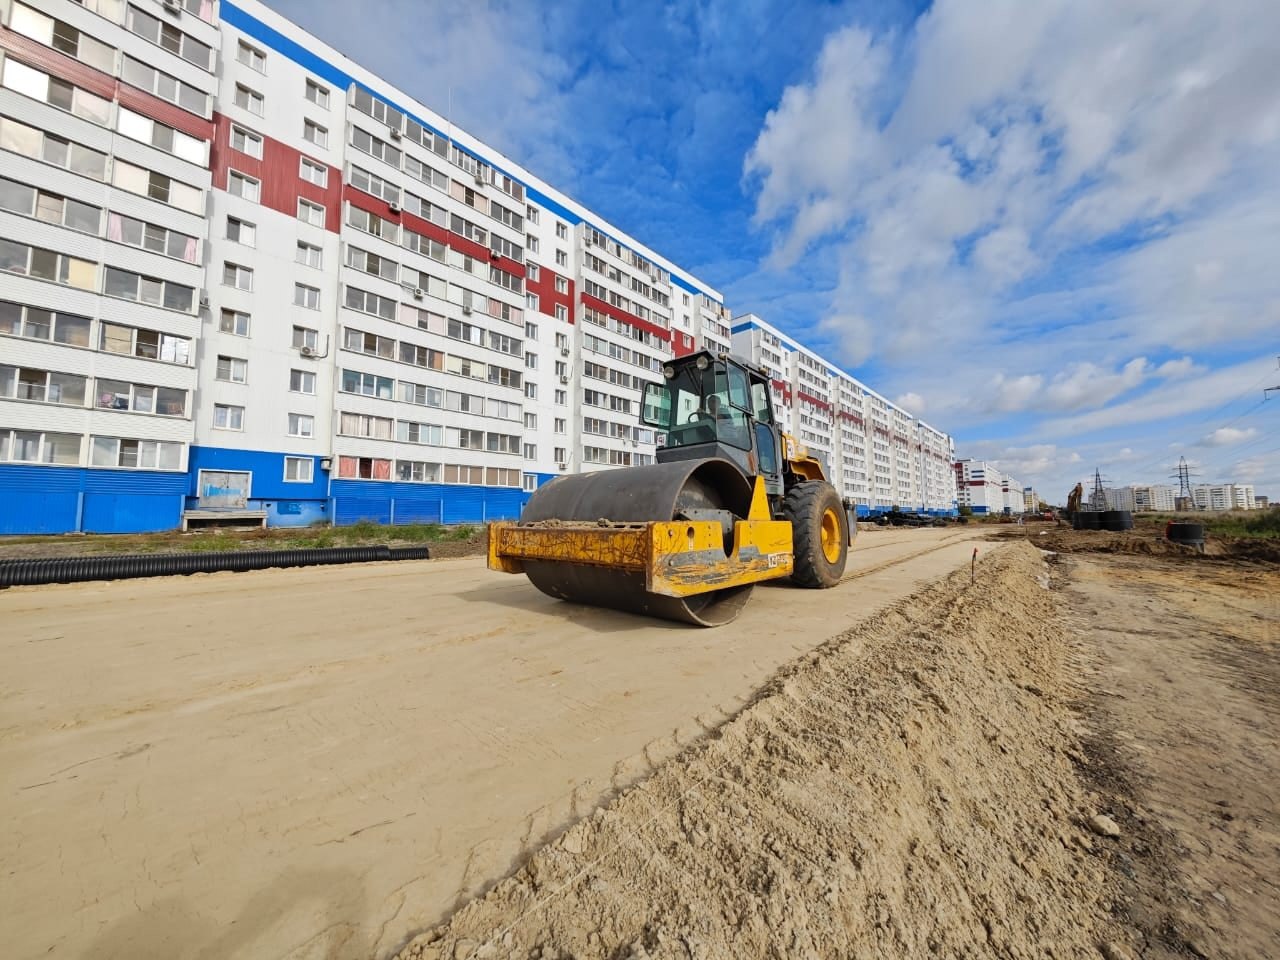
(730, 502)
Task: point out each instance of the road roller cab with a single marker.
(732, 501)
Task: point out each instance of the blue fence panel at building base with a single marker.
(46, 499)
(383, 502)
(418, 510)
(131, 512)
(36, 511)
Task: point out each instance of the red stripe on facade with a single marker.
(548, 298)
(682, 344)
(411, 221)
(622, 316)
(142, 102)
(37, 55)
(104, 85)
(278, 172)
(814, 400)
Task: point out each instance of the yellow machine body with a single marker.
(677, 558)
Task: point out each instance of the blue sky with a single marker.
(1049, 229)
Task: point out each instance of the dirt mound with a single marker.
(907, 790)
(1144, 542)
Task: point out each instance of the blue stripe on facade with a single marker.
(253, 27)
(382, 501)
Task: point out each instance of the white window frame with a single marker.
(313, 172)
(311, 468)
(251, 57)
(304, 256)
(302, 376)
(321, 98)
(248, 181)
(311, 208)
(306, 426)
(252, 142)
(321, 138)
(252, 98)
(230, 409)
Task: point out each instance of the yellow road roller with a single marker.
(730, 502)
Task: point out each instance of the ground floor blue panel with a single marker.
(380, 501)
(46, 499)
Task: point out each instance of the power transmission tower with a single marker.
(1183, 476)
(1098, 499)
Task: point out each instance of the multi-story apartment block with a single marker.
(1140, 498)
(985, 489)
(878, 455)
(239, 271)
(1222, 496)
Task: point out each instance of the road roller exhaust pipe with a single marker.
(684, 540)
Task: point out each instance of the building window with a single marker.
(227, 417)
(32, 446)
(42, 386)
(56, 92)
(234, 322)
(562, 258)
(251, 57)
(62, 37)
(301, 425)
(246, 142)
(135, 454)
(302, 381)
(304, 338)
(152, 290)
(562, 285)
(242, 185)
(562, 312)
(139, 398)
(531, 244)
(232, 369)
(147, 344)
(139, 74)
(241, 231)
(298, 469)
(169, 37)
(305, 296)
(49, 207)
(249, 100)
(312, 213)
(234, 275)
(562, 230)
(309, 255)
(313, 172)
(317, 94)
(137, 127)
(314, 133)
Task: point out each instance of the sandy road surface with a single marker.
(312, 763)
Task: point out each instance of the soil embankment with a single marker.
(908, 790)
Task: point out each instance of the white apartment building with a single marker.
(1140, 499)
(1222, 496)
(985, 489)
(239, 271)
(878, 455)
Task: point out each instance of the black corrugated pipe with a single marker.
(43, 570)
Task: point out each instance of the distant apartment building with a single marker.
(1030, 500)
(239, 271)
(985, 489)
(1222, 496)
(878, 455)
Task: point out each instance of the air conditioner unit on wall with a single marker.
(172, 6)
(418, 293)
(564, 351)
(480, 180)
(564, 379)
(394, 207)
(307, 351)
(563, 466)
(395, 134)
(466, 309)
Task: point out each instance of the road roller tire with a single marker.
(819, 533)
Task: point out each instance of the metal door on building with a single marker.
(224, 489)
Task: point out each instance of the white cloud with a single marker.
(1227, 436)
(1032, 206)
(911, 402)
